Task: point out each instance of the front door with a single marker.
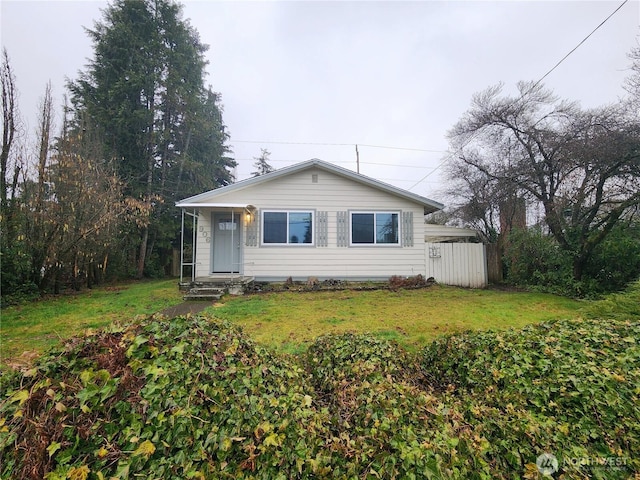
(226, 243)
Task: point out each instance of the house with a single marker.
(312, 219)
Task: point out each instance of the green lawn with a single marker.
(285, 321)
(33, 328)
(289, 321)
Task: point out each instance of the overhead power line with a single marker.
(383, 164)
(579, 44)
(339, 145)
(450, 154)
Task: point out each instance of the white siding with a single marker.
(331, 193)
(459, 264)
(203, 247)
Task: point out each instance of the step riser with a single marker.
(213, 298)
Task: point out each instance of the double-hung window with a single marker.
(287, 227)
(374, 228)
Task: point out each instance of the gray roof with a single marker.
(430, 206)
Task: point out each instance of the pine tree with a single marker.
(262, 163)
(144, 91)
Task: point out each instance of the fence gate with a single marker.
(459, 264)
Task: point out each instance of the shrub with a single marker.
(567, 386)
(349, 357)
(181, 398)
(396, 282)
(621, 306)
(383, 425)
(533, 259)
(190, 397)
(616, 261)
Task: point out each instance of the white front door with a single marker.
(227, 233)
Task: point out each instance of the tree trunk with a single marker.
(103, 269)
(8, 122)
(578, 267)
(75, 274)
(142, 252)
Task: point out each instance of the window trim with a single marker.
(375, 243)
(288, 211)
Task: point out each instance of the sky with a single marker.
(308, 79)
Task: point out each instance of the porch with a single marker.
(211, 245)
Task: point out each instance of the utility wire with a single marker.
(450, 154)
(339, 145)
(295, 143)
(579, 45)
(384, 164)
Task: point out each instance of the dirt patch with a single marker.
(185, 308)
(24, 361)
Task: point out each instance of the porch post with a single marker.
(232, 244)
(181, 243)
(193, 248)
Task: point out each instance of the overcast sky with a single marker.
(394, 74)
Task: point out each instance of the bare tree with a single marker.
(89, 205)
(582, 167)
(475, 199)
(8, 179)
(38, 199)
(8, 120)
(12, 268)
(632, 82)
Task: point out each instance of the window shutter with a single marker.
(342, 229)
(407, 229)
(253, 229)
(322, 235)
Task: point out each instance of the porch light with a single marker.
(249, 212)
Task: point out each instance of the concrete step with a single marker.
(206, 290)
(204, 293)
(201, 297)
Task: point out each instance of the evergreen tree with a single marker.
(144, 91)
(262, 163)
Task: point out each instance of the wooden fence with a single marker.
(459, 264)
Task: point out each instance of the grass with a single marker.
(621, 306)
(30, 329)
(289, 321)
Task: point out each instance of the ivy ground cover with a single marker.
(193, 397)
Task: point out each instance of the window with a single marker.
(374, 228)
(285, 228)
